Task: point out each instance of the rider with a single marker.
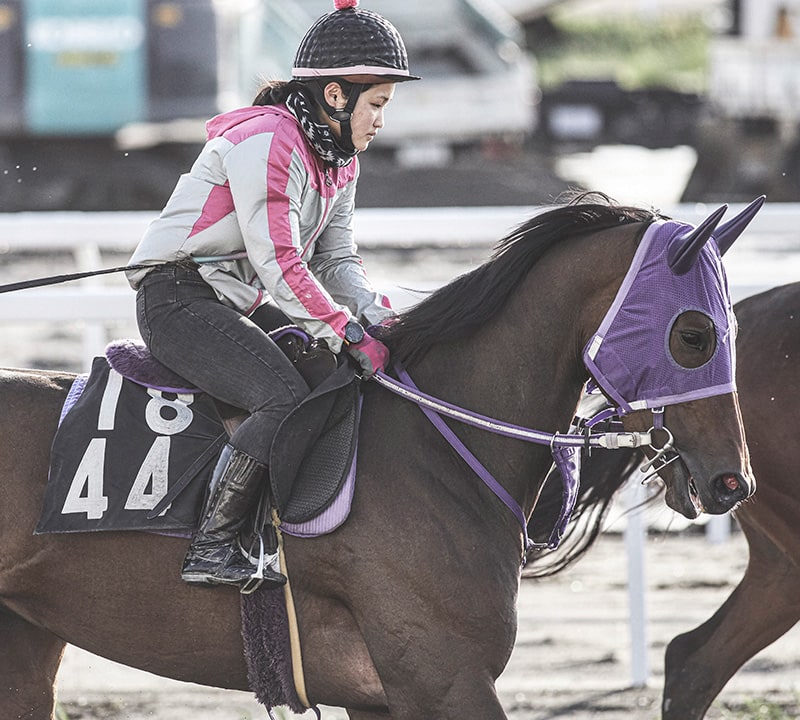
(261, 227)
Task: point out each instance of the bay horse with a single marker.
(766, 602)
(408, 609)
(764, 605)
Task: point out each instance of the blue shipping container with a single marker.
(86, 69)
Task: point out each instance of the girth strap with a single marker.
(209, 454)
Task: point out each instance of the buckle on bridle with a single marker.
(659, 461)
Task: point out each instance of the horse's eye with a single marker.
(694, 340)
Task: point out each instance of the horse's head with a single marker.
(667, 346)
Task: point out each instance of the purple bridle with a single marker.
(565, 448)
(668, 250)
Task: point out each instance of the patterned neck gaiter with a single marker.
(318, 134)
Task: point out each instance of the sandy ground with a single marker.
(572, 657)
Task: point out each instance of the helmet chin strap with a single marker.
(341, 116)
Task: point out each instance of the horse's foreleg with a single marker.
(29, 660)
(340, 670)
(761, 609)
(430, 677)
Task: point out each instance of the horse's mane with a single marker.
(461, 307)
(603, 473)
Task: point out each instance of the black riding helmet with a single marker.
(355, 45)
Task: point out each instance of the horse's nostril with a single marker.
(731, 487)
(731, 482)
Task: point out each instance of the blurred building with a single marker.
(479, 84)
(748, 142)
(103, 102)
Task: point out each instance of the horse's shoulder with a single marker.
(768, 332)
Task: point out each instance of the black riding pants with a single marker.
(187, 328)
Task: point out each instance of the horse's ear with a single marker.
(685, 249)
(729, 231)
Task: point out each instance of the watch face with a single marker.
(353, 332)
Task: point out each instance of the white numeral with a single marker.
(89, 478)
(108, 405)
(155, 471)
(178, 409)
(164, 417)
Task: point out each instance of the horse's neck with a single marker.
(526, 366)
(499, 375)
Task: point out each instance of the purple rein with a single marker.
(564, 447)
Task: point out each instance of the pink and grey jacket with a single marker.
(259, 186)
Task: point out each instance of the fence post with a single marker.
(718, 529)
(88, 257)
(635, 536)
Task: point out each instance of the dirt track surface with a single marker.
(572, 657)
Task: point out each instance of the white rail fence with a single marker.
(768, 255)
(86, 235)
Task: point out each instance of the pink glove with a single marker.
(371, 354)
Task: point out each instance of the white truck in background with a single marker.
(754, 70)
(749, 140)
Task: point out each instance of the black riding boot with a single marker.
(214, 556)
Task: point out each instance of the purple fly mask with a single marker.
(676, 268)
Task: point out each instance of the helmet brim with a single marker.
(369, 75)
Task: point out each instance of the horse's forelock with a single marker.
(461, 307)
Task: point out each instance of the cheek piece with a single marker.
(342, 116)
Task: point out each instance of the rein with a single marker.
(608, 440)
(434, 409)
(56, 279)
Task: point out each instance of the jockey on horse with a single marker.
(258, 235)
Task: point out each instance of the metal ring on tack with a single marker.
(658, 457)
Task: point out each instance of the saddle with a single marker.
(106, 478)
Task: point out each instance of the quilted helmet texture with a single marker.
(351, 41)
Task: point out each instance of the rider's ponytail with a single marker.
(274, 92)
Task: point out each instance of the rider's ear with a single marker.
(333, 94)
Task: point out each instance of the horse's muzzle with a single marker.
(690, 497)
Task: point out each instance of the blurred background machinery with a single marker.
(748, 138)
(75, 72)
(103, 102)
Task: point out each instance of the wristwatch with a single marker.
(353, 333)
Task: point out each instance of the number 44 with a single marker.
(86, 492)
